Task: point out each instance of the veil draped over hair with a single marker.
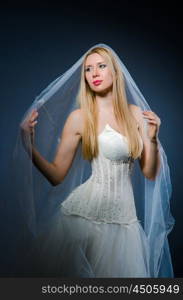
(39, 200)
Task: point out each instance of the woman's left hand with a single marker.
(154, 123)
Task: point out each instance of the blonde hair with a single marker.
(87, 102)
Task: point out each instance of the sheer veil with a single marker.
(39, 200)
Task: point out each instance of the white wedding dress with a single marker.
(97, 233)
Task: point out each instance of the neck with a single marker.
(104, 101)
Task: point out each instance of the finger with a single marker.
(148, 112)
(31, 112)
(33, 124)
(150, 118)
(33, 117)
(152, 114)
(152, 122)
(34, 113)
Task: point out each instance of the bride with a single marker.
(97, 232)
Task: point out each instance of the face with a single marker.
(97, 73)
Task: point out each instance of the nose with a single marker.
(95, 72)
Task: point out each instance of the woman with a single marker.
(96, 231)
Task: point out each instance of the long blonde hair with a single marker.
(87, 102)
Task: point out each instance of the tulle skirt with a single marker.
(74, 246)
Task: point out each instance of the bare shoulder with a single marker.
(76, 114)
(75, 121)
(136, 111)
(138, 115)
(134, 108)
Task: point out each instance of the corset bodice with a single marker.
(107, 196)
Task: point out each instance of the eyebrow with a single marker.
(97, 64)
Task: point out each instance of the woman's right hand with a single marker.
(27, 126)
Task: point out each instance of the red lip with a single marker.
(97, 82)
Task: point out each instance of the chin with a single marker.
(102, 90)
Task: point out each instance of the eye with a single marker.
(87, 69)
(102, 66)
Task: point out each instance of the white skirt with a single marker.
(74, 246)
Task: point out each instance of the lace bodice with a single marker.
(107, 195)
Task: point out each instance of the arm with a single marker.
(150, 158)
(71, 135)
(56, 170)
